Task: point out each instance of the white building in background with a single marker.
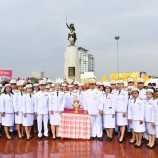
(87, 65)
(86, 60)
(38, 74)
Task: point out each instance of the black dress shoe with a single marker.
(47, 137)
(20, 138)
(131, 142)
(39, 138)
(92, 138)
(151, 147)
(11, 138)
(138, 146)
(100, 138)
(53, 138)
(110, 139)
(35, 132)
(121, 141)
(57, 137)
(107, 139)
(28, 139)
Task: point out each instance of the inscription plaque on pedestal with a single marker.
(71, 72)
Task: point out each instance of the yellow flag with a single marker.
(146, 77)
(103, 78)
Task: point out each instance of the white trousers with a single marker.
(96, 126)
(42, 118)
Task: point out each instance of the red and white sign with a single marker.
(5, 74)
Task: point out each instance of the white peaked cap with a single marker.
(42, 82)
(150, 90)
(130, 79)
(12, 81)
(29, 86)
(140, 80)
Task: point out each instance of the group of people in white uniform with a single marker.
(115, 106)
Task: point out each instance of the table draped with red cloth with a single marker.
(75, 126)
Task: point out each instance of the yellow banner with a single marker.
(125, 76)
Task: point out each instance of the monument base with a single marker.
(71, 66)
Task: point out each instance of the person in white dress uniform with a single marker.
(52, 87)
(28, 110)
(42, 109)
(130, 81)
(136, 116)
(150, 117)
(156, 119)
(120, 103)
(92, 100)
(80, 94)
(56, 107)
(7, 109)
(64, 88)
(70, 95)
(142, 94)
(107, 109)
(35, 90)
(130, 126)
(18, 108)
(14, 90)
(114, 90)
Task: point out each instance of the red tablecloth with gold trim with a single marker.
(75, 126)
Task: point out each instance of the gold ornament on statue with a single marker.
(76, 104)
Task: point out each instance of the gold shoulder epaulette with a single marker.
(140, 98)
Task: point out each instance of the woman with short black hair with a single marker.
(7, 110)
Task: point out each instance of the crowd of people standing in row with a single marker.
(111, 106)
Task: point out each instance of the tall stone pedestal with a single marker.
(71, 65)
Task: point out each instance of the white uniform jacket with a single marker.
(150, 110)
(92, 100)
(107, 106)
(57, 103)
(136, 109)
(42, 102)
(121, 101)
(6, 103)
(18, 101)
(29, 103)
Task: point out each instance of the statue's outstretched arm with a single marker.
(67, 26)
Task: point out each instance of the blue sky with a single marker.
(33, 34)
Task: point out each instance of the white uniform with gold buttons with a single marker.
(56, 104)
(69, 99)
(42, 108)
(120, 103)
(108, 110)
(136, 111)
(28, 109)
(92, 100)
(18, 107)
(6, 103)
(150, 115)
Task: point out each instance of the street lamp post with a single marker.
(118, 71)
